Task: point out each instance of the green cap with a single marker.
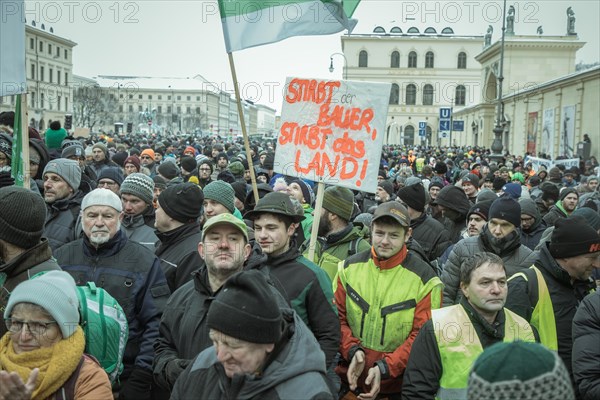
(275, 203)
(226, 219)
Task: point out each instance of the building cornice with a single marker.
(47, 35)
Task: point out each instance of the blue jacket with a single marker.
(132, 275)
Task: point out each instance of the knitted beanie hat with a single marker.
(481, 208)
(573, 237)
(168, 169)
(486, 194)
(102, 197)
(239, 189)
(222, 193)
(498, 183)
(592, 217)
(387, 186)
(102, 147)
(565, 192)
(72, 148)
(340, 201)
(472, 179)
(549, 191)
(55, 135)
(413, 196)
(56, 293)
(139, 185)
(554, 173)
(188, 164)
(513, 190)
(182, 202)
(245, 308)
(67, 169)
(22, 216)
(507, 209)
(159, 182)
(307, 192)
(148, 152)
(133, 160)
(113, 173)
(519, 370)
(237, 169)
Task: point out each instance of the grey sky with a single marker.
(184, 38)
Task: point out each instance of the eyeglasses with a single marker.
(204, 169)
(106, 183)
(146, 157)
(35, 327)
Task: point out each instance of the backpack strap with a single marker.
(353, 249)
(67, 391)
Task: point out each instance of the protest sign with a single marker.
(332, 131)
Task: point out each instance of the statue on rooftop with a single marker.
(510, 21)
(488, 36)
(571, 22)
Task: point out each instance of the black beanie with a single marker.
(22, 216)
(269, 162)
(168, 169)
(239, 188)
(573, 237)
(387, 186)
(245, 308)
(565, 192)
(188, 164)
(182, 202)
(498, 183)
(413, 196)
(481, 208)
(549, 191)
(507, 209)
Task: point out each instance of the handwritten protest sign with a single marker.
(332, 131)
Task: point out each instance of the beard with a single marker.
(324, 226)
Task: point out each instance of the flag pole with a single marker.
(243, 124)
(25, 141)
(315, 225)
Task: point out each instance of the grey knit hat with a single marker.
(102, 197)
(56, 293)
(221, 192)
(139, 185)
(67, 169)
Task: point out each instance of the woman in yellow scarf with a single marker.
(41, 355)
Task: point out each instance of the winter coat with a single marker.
(515, 256)
(132, 275)
(138, 230)
(296, 370)
(556, 211)
(431, 235)
(23, 267)
(177, 251)
(61, 220)
(457, 204)
(586, 347)
(532, 237)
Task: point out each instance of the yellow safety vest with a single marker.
(459, 346)
(542, 316)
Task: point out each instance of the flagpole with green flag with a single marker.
(20, 149)
(254, 23)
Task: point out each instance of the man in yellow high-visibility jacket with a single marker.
(448, 345)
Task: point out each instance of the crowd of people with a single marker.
(462, 277)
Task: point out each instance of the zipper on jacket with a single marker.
(361, 303)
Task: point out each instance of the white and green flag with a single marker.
(249, 23)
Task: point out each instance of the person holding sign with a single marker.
(384, 296)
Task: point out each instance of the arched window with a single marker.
(447, 31)
(460, 95)
(411, 95)
(409, 134)
(363, 59)
(413, 30)
(395, 60)
(429, 59)
(396, 29)
(428, 95)
(412, 59)
(462, 60)
(379, 29)
(430, 30)
(395, 94)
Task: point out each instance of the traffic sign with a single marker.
(422, 128)
(444, 125)
(458, 126)
(445, 113)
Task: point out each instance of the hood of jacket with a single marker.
(453, 198)
(503, 246)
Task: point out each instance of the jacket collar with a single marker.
(110, 248)
(36, 255)
(172, 236)
(392, 262)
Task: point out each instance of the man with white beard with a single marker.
(130, 273)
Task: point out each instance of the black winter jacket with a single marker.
(586, 348)
(61, 220)
(431, 235)
(178, 254)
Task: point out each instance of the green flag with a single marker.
(17, 167)
(254, 23)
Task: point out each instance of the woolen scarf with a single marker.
(56, 363)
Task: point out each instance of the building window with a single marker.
(50, 74)
(49, 48)
(139, 108)
(460, 96)
(159, 109)
(409, 134)
(32, 99)
(363, 59)
(32, 71)
(395, 60)
(121, 96)
(41, 100)
(395, 94)
(121, 108)
(66, 104)
(178, 109)
(31, 44)
(67, 80)
(42, 74)
(428, 95)
(412, 59)
(429, 59)
(178, 98)
(197, 98)
(462, 60)
(189, 98)
(58, 77)
(149, 97)
(57, 51)
(160, 96)
(198, 110)
(139, 97)
(41, 47)
(58, 101)
(411, 95)
(66, 54)
(168, 109)
(168, 97)
(130, 108)
(188, 110)
(130, 97)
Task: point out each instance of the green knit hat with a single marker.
(55, 135)
(340, 201)
(221, 192)
(519, 370)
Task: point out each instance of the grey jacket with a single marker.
(137, 231)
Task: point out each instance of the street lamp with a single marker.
(499, 129)
(331, 68)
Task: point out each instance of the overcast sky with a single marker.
(184, 38)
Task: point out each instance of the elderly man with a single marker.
(499, 236)
(259, 351)
(441, 357)
(130, 273)
(183, 331)
(23, 250)
(63, 199)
